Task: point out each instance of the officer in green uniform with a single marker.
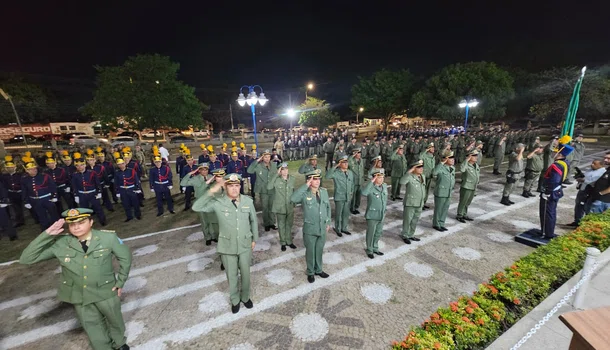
(238, 227)
(471, 173)
(343, 178)
(479, 147)
(316, 222)
(356, 165)
(444, 175)
(264, 169)
(376, 192)
(429, 162)
(414, 200)
(339, 153)
(376, 163)
(499, 153)
(282, 185)
(87, 277)
(533, 168)
(198, 179)
(373, 152)
(513, 174)
(310, 165)
(210, 217)
(399, 169)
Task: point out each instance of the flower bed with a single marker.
(473, 322)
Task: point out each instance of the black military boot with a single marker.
(525, 194)
(505, 200)
(509, 201)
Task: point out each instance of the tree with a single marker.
(489, 84)
(385, 93)
(554, 88)
(145, 93)
(317, 113)
(30, 101)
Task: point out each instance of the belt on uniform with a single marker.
(128, 186)
(557, 188)
(62, 185)
(162, 182)
(15, 191)
(87, 192)
(41, 197)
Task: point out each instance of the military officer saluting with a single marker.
(283, 186)
(87, 276)
(399, 169)
(198, 179)
(471, 173)
(513, 174)
(444, 175)
(311, 165)
(376, 192)
(238, 227)
(533, 168)
(414, 200)
(264, 169)
(429, 163)
(316, 222)
(356, 165)
(343, 179)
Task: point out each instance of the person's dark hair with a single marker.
(160, 145)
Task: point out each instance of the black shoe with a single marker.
(370, 255)
(530, 194)
(551, 236)
(127, 220)
(460, 219)
(208, 242)
(415, 239)
(445, 229)
(103, 223)
(173, 212)
(496, 172)
(222, 267)
(283, 248)
(159, 214)
(248, 304)
(273, 227)
(509, 201)
(357, 211)
(438, 228)
(139, 217)
(399, 198)
(311, 279)
(293, 246)
(568, 182)
(322, 274)
(267, 228)
(378, 253)
(393, 198)
(406, 240)
(573, 224)
(505, 201)
(185, 209)
(141, 204)
(353, 212)
(13, 238)
(235, 308)
(426, 207)
(337, 232)
(525, 194)
(124, 347)
(468, 218)
(346, 232)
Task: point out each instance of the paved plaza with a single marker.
(177, 296)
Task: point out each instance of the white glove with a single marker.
(54, 200)
(98, 196)
(183, 188)
(118, 195)
(170, 187)
(138, 191)
(106, 186)
(67, 189)
(28, 206)
(152, 190)
(3, 205)
(77, 200)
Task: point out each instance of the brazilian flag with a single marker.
(568, 126)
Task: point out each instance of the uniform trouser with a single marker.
(160, 193)
(530, 178)
(441, 208)
(374, 228)
(280, 151)
(112, 190)
(103, 323)
(508, 187)
(106, 198)
(341, 215)
(355, 202)
(497, 161)
(428, 182)
(301, 153)
(131, 204)
(314, 245)
(395, 187)
(329, 160)
(410, 217)
(548, 215)
(284, 224)
(17, 206)
(267, 202)
(252, 183)
(204, 224)
(312, 151)
(88, 200)
(5, 223)
(45, 211)
(188, 194)
(466, 197)
(583, 204)
(237, 268)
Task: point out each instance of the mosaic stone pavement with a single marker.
(176, 297)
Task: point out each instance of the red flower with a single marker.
(469, 310)
(517, 301)
(465, 319)
(480, 321)
(496, 316)
(437, 345)
(517, 273)
(514, 267)
(565, 249)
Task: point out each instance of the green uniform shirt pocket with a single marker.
(104, 280)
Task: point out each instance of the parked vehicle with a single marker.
(133, 134)
(200, 133)
(19, 139)
(49, 137)
(126, 140)
(152, 134)
(173, 133)
(61, 144)
(182, 139)
(86, 140)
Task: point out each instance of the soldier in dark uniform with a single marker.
(109, 168)
(86, 188)
(181, 163)
(100, 172)
(187, 190)
(127, 185)
(39, 193)
(61, 179)
(12, 182)
(5, 221)
(160, 179)
(553, 178)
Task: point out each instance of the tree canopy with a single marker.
(317, 113)
(145, 93)
(384, 94)
(489, 84)
(31, 102)
(554, 88)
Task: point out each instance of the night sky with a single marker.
(282, 45)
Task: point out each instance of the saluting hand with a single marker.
(56, 228)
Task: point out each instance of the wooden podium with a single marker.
(591, 328)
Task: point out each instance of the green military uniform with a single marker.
(282, 207)
(344, 191)
(429, 163)
(307, 167)
(444, 175)
(373, 151)
(316, 218)
(339, 153)
(413, 202)
(499, 154)
(533, 168)
(376, 204)
(513, 174)
(470, 179)
(263, 175)
(399, 169)
(357, 167)
(238, 226)
(88, 278)
(199, 184)
(548, 157)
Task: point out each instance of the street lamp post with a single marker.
(291, 113)
(251, 100)
(8, 98)
(360, 110)
(468, 104)
(309, 87)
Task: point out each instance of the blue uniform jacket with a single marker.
(40, 186)
(160, 177)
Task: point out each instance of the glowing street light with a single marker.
(360, 110)
(468, 104)
(291, 113)
(309, 87)
(252, 100)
